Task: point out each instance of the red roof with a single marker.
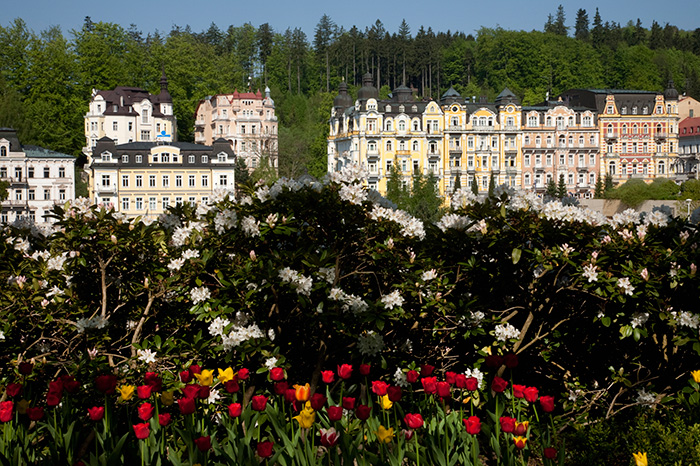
(689, 127)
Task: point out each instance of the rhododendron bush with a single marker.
(302, 276)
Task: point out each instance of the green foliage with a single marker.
(475, 186)
(551, 189)
(599, 192)
(561, 187)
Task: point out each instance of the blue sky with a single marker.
(462, 15)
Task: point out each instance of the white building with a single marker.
(130, 114)
(38, 179)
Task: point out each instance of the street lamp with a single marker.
(688, 202)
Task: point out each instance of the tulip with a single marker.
(231, 386)
(56, 387)
(348, 403)
(259, 402)
(550, 453)
(531, 394)
(520, 442)
(146, 411)
(143, 391)
(301, 392)
(276, 374)
(70, 384)
(13, 389)
(519, 391)
(243, 374)
(164, 419)
(335, 413)
(225, 375)
(362, 412)
(385, 435)
(154, 381)
(290, 395)
(329, 437)
(408, 434)
(386, 402)
(25, 368)
(379, 387)
(106, 383)
(413, 421)
(547, 403)
(426, 370)
(35, 414)
(167, 398)
(521, 428)
(264, 449)
(203, 443)
(190, 391)
(412, 376)
(318, 401)
(473, 425)
(235, 409)
(696, 376)
(142, 431)
(394, 393)
(205, 378)
(640, 458)
(53, 398)
(472, 384)
(493, 361)
(443, 389)
(429, 384)
(6, 411)
(460, 381)
(451, 377)
(126, 392)
(508, 424)
(344, 371)
(186, 405)
(203, 392)
(365, 369)
(498, 385)
(281, 388)
(327, 376)
(195, 369)
(306, 417)
(96, 413)
(510, 360)
(185, 376)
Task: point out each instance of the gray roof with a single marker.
(36, 152)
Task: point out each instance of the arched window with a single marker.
(389, 126)
(402, 125)
(389, 146)
(3, 151)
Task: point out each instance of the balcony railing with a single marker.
(106, 188)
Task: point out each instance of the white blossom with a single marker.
(590, 272)
(217, 326)
(462, 197)
(190, 254)
(250, 226)
(300, 282)
(411, 226)
(392, 300)
(686, 319)
(225, 220)
(624, 284)
(506, 331)
(400, 378)
(353, 193)
(428, 275)
(176, 264)
(639, 319)
(453, 221)
(270, 363)
(263, 193)
(213, 396)
(2, 335)
(646, 398)
(327, 273)
(199, 294)
(97, 322)
(146, 356)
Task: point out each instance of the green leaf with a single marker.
(516, 255)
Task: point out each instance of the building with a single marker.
(689, 147)
(145, 178)
(130, 114)
(638, 130)
(38, 179)
(688, 107)
(246, 120)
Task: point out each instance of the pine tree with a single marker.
(597, 33)
(599, 189)
(559, 22)
(581, 31)
(551, 190)
(561, 187)
(492, 186)
(609, 185)
(475, 186)
(395, 191)
(458, 183)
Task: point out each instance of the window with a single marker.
(178, 181)
(661, 167)
(31, 195)
(131, 126)
(125, 158)
(193, 200)
(61, 172)
(115, 126)
(591, 159)
(166, 181)
(139, 203)
(139, 158)
(190, 159)
(125, 203)
(151, 181)
(139, 181)
(47, 194)
(144, 115)
(18, 195)
(205, 158)
(611, 168)
(527, 179)
(62, 194)
(549, 160)
(145, 135)
(205, 181)
(402, 125)
(222, 157)
(165, 157)
(191, 181)
(178, 200)
(414, 146)
(587, 121)
(125, 181)
(526, 160)
(223, 180)
(3, 151)
(165, 203)
(532, 120)
(151, 203)
(105, 180)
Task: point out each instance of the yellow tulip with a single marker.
(206, 378)
(385, 435)
(167, 398)
(696, 376)
(386, 402)
(126, 392)
(302, 392)
(307, 416)
(22, 406)
(640, 458)
(225, 375)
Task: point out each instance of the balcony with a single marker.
(483, 129)
(456, 151)
(199, 138)
(511, 170)
(511, 128)
(434, 153)
(105, 188)
(660, 135)
(199, 122)
(377, 173)
(434, 171)
(610, 135)
(455, 128)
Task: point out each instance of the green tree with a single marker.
(581, 31)
(424, 201)
(492, 182)
(265, 40)
(609, 184)
(395, 190)
(475, 186)
(598, 31)
(4, 189)
(599, 188)
(551, 189)
(323, 37)
(561, 187)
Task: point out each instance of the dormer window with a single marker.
(125, 158)
(205, 159)
(139, 158)
(222, 157)
(144, 115)
(106, 157)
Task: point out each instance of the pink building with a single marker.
(246, 119)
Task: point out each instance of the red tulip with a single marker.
(276, 374)
(195, 369)
(460, 381)
(379, 387)
(56, 387)
(520, 442)
(235, 409)
(507, 424)
(146, 411)
(547, 403)
(344, 371)
(203, 443)
(519, 391)
(329, 437)
(164, 419)
(473, 425)
(498, 385)
(413, 421)
(318, 401)
(443, 389)
(96, 413)
(70, 384)
(190, 391)
(264, 449)
(328, 376)
(451, 377)
(426, 370)
(13, 389)
(520, 428)
(335, 413)
(142, 431)
(429, 384)
(25, 368)
(243, 374)
(493, 360)
(362, 412)
(531, 394)
(472, 384)
(186, 405)
(203, 392)
(6, 411)
(154, 380)
(36, 413)
(348, 403)
(185, 376)
(259, 402)
(510, 360)
(290, 395)
(53, 398)
(394, 393)
(550, 453)
(232, 386)
(106, 383)
(143, 391)
(281, 388)
(412, 376)
(365, 369)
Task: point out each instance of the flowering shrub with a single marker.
(298, 277)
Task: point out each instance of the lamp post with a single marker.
(688, 202)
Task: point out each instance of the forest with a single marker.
(46, 77)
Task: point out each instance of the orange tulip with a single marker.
(302, 392)
(520, 442)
